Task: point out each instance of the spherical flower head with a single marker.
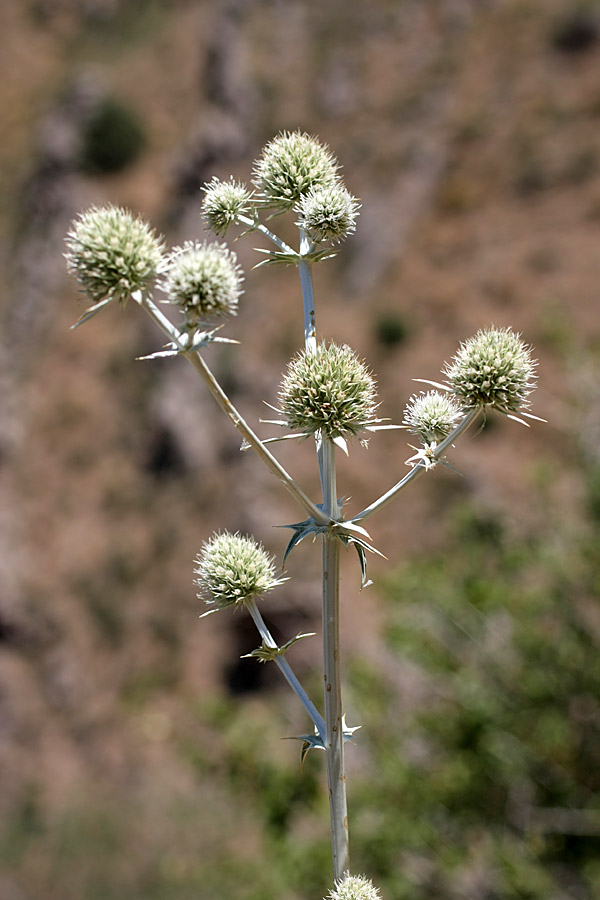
(495, 369)
(233, 570)
(330, 390)
(354, 887)
(289, 166)
(432, 415)
(204, 280)
(328, 212)
(112, 253)
(224, 202)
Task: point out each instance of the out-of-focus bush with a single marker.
(487, 785)
(113, 139)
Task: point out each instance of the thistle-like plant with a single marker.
(327, 393)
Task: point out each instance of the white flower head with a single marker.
(330, 390)
(432, 415)
(328, 212)
(354, 887)
(289, 166)
(233, 570)
(224, 202)
(204, 280)
(493, 368)
(112, 253)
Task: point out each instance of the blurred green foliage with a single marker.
(113, 139)
(391, 329)
(488, 787)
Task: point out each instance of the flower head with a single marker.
(495, 369)
(328, 212)
(232, 570)
(330, 390)
(112, 253)
(291, 164)
(354, 887)
(432, 415)
(224, 202)
(204, 280)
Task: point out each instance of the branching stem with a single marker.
(334, 740)
(229, 409)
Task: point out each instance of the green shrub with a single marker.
(113, 139)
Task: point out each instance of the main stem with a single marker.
(334, 726)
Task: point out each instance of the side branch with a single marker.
(417, 470)
(194, 357)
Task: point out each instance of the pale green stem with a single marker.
(308, 295)
(417, 470)
(310, 324)
(287, 671)
(226, 405)
(334, 741)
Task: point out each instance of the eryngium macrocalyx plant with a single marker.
(327, 393)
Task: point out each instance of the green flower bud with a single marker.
(354, 887)
(432, 415)
(232, 570)
(495, 369)
(204, 280)
(289, 166)
(328, 212)
(112, 254)
(224, 202)
(330, 390)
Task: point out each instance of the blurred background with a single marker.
(140, 758)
